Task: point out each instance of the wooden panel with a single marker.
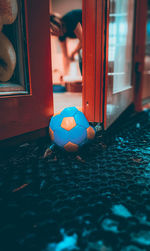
(24, 113)
(24, 139)
(106, 65)
(139, 51)
(89, 50)
(93, 58)
(100, 59)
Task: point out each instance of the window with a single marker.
(120, 44)
(15, 32)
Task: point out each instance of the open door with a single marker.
(26, 99)
(113, 50)
(120, 40)
(93, 58)
(125, 48)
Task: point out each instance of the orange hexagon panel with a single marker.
(68, 123)
(51, 134)
(90, 133)
(71, 147)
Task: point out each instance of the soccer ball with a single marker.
(69, 129)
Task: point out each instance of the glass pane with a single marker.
(120, 44)
(13, 63)
(121, 24)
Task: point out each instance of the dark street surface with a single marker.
(97, 199)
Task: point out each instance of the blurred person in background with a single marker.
(68, 26)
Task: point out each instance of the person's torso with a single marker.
(71, 19)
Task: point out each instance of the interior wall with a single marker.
(58, 71)
(63, 6)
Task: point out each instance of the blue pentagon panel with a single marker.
(77, 134)
(55, 122)
(69, 111)
(61, 136)
(81, 119)
(86, 141)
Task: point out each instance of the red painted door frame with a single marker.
(105, 79)
(139, 51)
(94, 59)
(20, 114)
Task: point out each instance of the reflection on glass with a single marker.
(13, 58)
(120, 44)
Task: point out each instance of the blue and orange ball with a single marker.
(70, 130)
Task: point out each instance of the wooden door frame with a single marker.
(20, 114)
(94, 58)
(139, 51)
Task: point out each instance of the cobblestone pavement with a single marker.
(98, 199)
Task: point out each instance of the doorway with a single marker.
(66, 74)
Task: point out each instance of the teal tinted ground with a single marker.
(96, 199)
